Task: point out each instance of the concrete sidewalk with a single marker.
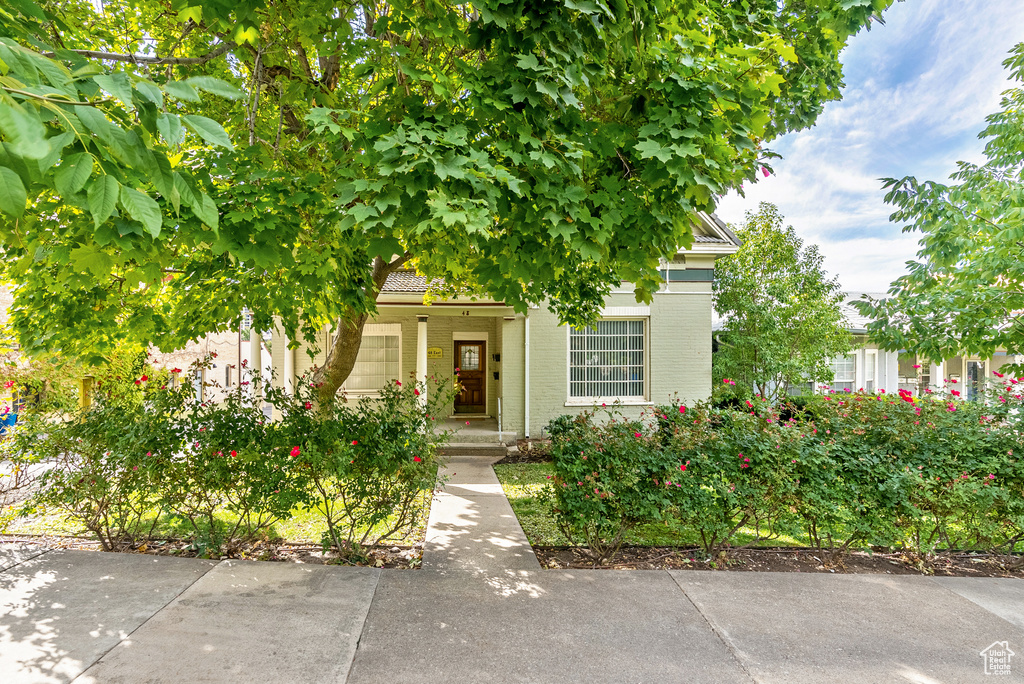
(95, 617)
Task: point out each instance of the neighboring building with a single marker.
(870, 368)
(524, 370)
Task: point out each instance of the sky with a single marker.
(918, 89)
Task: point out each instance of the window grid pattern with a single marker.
(844, 372)
(376, 364)
(606, 361)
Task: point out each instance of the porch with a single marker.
(476, 431)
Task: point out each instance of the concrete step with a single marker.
(496, 451)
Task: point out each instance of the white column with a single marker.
(526, 376)
(892, 372)
(289, 367)
(255, 358)
(935, 376)
(421, 357)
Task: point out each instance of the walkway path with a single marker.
(472, 527)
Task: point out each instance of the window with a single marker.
(975, 384)
(844, 373)
(198, 386)
(379, 359)
(606, 361)
(227, 375)
(870, 368)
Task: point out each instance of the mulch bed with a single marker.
(787, 560)
(396, 556)
(529, 451)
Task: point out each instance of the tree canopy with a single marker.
(781, 321)
(167, 163)
(965, 293)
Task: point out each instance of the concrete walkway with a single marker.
(471, 527)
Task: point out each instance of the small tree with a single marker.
(782, 322)
(965, 293)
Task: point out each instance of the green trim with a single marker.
(690, 275)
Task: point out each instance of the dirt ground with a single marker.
(789, 560)
(406, 557)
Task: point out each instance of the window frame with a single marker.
(375, 330)
(643, 398)
(853, 374)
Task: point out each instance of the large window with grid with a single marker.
(844, 372)
(379, 359)
(606, 361)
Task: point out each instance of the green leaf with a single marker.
(29, 9)
(209, 130)
(118, 85)
(92, 259)
(169, 126)
(206, 209)
(150, 92)
(182, 91)
(24, 130)
(215, 86)
(102, 197)
(143, 209)
(72, 175)
(12, 193)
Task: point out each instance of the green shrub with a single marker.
(848, 469)
(610, 476)
(149, 455)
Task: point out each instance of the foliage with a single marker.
(848, 470)
(147, 455)
(965, 293)
(782, 324)
(606, 480)
(526, 151)
(369, 465)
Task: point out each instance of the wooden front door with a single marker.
(470, 362)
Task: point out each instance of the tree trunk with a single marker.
(341, 357)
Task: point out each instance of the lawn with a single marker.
(305, 525)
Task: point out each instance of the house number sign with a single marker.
(434, 352)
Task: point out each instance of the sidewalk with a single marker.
(481, 611)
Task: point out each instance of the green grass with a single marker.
(304, 525)
(525, 485)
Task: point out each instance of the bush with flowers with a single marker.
(149, 455)
(842, 471)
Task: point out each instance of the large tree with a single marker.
(781, 318)
(527, 151)
(965, 292)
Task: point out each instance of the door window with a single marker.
(470, 358)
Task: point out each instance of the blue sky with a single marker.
(918, 89)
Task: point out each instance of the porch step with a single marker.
(492, 450)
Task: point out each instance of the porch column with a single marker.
(935, 376)
(421, 357)
(289, 367)
(255, 358)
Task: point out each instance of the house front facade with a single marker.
(521, 370)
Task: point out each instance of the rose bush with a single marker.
(149, 455)
(842, 470)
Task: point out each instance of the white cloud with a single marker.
(918, 90)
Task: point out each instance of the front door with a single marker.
(469, 361)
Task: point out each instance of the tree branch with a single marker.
(146, 59)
